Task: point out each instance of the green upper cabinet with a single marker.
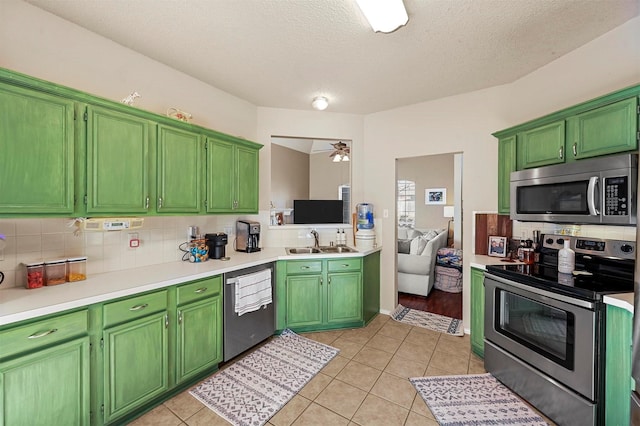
(605, 130)
(37, 152)
(541, 146)
(179, 171)
(506, 165)
(232, 177)
(117, 162)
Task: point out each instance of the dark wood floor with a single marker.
(438, 302)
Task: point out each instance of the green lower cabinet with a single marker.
(477, 311)
(344, 297)
(47, 387)
(618, 381)
(199, 337)
(319, 294)
(304, 300)
(136, 364)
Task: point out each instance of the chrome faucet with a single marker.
(315, 236)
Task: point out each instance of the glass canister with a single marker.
(77, 268)
(55, 271)
(35, 275)
(365, 215)
(198, 251)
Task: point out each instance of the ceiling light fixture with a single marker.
(341, 152)
(384, 16)
(320, 103)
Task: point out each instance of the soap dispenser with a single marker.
(566, 259)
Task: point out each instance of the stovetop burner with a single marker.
(602, 267)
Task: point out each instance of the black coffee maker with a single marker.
(217, 244)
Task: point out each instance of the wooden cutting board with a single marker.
(490, 224)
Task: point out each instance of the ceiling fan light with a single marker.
(384, 16)
(345, 157)
(320, 103)
(337, 158)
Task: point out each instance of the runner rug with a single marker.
(428, 320)
(250, 391)
(474, 399)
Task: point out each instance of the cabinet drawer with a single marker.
(304, 267)
(349, 264)
(42, 333)
(134, 307)
(199, 289)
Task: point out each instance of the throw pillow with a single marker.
(413, 233)
(403, 233)
(417, 245)
(430, 234)
(404, 246)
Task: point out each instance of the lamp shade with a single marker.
(448, 211)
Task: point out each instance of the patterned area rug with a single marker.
(428, 320)
(250, 391)
(474, 399)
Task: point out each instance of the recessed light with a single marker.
(320, 103)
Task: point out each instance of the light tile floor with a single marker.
(366, 384)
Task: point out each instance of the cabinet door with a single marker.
(179, 171)
(247, 187)
(477, 311)
(199, 337)
(506, 165)
(606, 130)
(37, 147)
(136, 367)
(220, 176)
(618, 381)
(344, 297)
(47, 387)
(117, 162)
(304, 300)
(541, 146)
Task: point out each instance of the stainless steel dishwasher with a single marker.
(242, 332)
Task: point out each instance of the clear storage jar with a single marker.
(35, 275)
(55, 271)
(77, 268)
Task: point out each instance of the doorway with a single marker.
(429, 209)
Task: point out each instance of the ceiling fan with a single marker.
(341, 152)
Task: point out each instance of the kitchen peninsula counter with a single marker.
(18, 304)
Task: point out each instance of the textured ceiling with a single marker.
(282, 53)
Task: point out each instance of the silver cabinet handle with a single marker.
(561, 153)
(321, 280)
(201, 290)
(575, 149)
(345, 265)
(179, 317)
(138, 307)
(304, 267)
(159, 202)
(166, 321)
(329, 280)
(42, 334)
(146, 203)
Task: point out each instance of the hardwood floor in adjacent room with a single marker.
(438, 302)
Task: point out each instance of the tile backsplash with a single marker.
(29, 240)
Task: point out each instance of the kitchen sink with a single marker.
(320, 250)
(303, 250)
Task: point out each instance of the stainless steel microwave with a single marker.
(600, 190)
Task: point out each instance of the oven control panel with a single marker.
(594, 246)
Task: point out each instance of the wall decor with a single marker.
(497, 246)
(435, 196)
(129, 100)
(179, 115)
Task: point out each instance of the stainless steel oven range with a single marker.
(544, 331)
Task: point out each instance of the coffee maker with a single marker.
(247, 236)
(217, 244)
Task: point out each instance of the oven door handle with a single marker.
(540, 292)
(591, 196)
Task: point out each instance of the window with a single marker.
(344, 194)
(406, 203)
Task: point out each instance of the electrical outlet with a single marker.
(385, 213)
(134, 241)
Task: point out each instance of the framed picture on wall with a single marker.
(497, 246)
(435, 196)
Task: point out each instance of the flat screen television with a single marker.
(317, 211)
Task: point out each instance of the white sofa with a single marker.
(416, 271)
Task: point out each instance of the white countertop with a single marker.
(18, 304)
(481, 261)
(624, 301)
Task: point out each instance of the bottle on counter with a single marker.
(566, 259)
(338, 241)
